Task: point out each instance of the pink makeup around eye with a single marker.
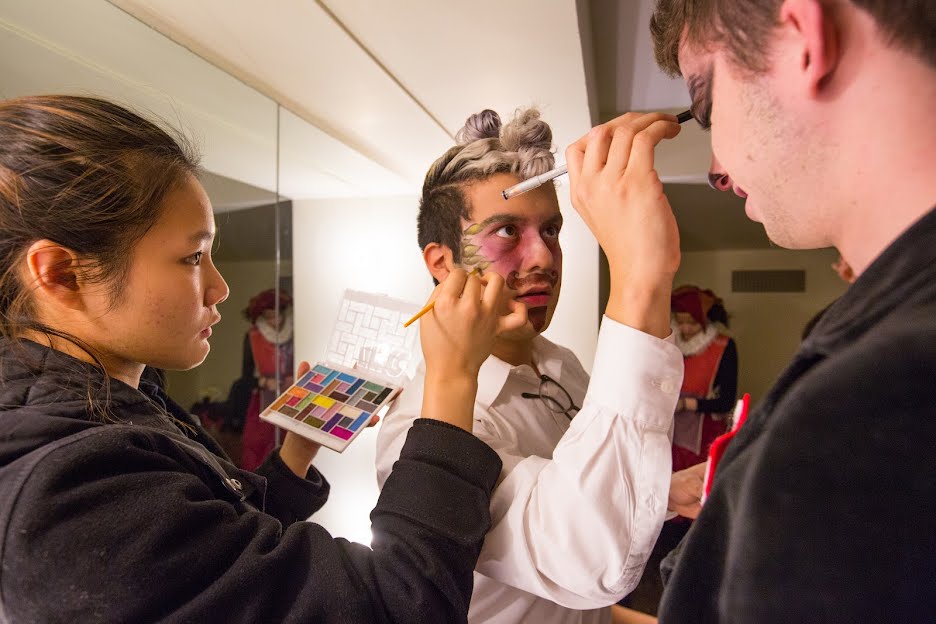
(482, 247)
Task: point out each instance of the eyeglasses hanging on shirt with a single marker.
(556, 398)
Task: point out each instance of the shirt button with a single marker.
(668, 386)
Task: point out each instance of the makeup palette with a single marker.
(330, 405)
(369, 357)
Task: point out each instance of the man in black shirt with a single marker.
(820, 111)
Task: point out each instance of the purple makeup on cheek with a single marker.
(503, 261)
(508, 256)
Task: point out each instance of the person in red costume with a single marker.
(710, 383)
(268, 349)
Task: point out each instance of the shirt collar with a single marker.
(494, 372)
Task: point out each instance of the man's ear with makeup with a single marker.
(439, 260)
(52, 273)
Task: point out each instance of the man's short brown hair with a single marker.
(744, 27)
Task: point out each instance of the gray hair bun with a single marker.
(486, 146)
(525, 132)
(483, 125)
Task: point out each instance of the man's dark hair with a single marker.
(745, 26)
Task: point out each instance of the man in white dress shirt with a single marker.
(581, 500)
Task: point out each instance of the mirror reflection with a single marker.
(95, 48)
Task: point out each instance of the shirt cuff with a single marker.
(634, 367)
(305, 496)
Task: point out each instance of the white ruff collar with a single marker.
(277, 337)
(698, 343)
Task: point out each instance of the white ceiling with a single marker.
(374, 91)
(392, 80)
(293, 51)
(89, 47)
(396, 80)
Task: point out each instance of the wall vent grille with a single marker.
(768, 281)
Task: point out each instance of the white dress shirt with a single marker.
(580, 503)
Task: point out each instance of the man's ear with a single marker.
(53, 272)
(817, 38)
(439, 260)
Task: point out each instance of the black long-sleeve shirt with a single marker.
(137, 521)
(822, 507)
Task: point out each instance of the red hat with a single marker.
(266, 300)
(693, 301)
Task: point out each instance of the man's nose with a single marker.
(718, 178)
(539, 256)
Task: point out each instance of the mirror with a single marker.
(95, 48)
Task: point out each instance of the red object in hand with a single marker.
(717, 450)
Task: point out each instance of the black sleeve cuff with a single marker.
(290, 497)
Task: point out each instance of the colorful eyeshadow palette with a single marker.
(330, 405)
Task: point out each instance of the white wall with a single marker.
(766, 326)
(575, 323)
(358, 244)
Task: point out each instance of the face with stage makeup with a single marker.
(519, 240)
